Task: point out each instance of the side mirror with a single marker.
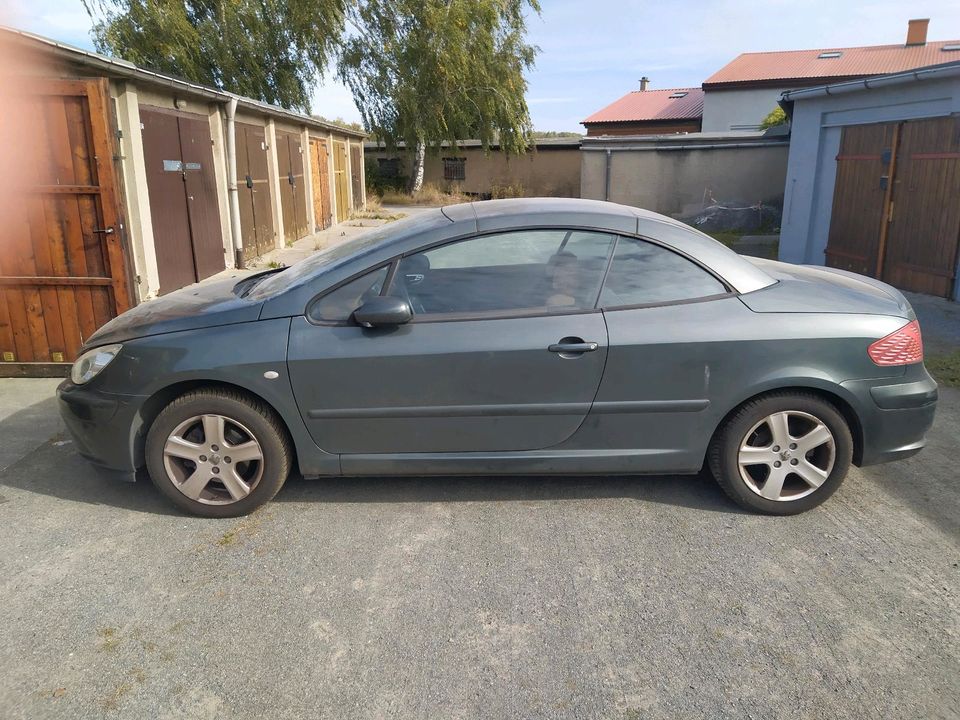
(383, 312)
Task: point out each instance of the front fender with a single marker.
(153, 368)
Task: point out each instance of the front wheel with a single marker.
(782, 453)
(218, 453)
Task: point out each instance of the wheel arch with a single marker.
(835, 395)
(154, 404)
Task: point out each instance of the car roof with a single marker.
(454, 221)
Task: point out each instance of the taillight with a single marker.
(901, 347)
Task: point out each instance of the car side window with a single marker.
(338, 305)
(643, 273)
(524, 270)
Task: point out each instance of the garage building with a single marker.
(130, 184)
(873, 178)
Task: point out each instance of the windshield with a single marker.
(331, 256)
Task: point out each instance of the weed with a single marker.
(428, 195)
(945, 368)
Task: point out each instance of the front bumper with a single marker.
(106, 427)
(895, 414)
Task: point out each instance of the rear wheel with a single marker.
(218, 453)
(783, 453)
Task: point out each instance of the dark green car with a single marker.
(535, 336)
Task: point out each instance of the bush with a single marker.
(378, 183)
(776, 117)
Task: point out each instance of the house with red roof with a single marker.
(741, 93)
(649, 112)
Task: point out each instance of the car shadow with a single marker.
(700, 492)
(52, 467)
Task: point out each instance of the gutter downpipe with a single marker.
(233, 194)
(606, 179)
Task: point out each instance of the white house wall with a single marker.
(725, 110)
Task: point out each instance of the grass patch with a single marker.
(945, 368)
(376, 215)
(428, 195)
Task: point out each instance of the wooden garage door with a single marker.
(319, 166)
(921, 250)
(859, 196)
(63, 269)
(356, 175)
(292, 184)
(253, 179)
(181, 184)
(896, 204)
(340, 180)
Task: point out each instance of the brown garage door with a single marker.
(292, 184)
(356, 175)
(63, 269)
(921, 251)
(256, 217)
(896, 204)
(181, 184)
(319, 167)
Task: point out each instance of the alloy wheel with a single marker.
(213, 459)
(787, 455)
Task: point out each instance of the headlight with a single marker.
(89, 365)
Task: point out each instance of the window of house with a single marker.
(643, 273)
(338, 305)
(389, 167)
(527, 271)
(454, 168)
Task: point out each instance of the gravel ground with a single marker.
(646, 597)
(489, 597)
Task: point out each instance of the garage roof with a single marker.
(118, 67)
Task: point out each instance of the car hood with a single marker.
(808, 288)
(197, 306)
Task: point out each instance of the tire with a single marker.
(188, 453)
(780, 476)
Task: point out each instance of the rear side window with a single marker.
(646, 274)
(337, 306)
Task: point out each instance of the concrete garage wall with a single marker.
(678, 176)
(726, 110)
(551, 170)
(817, 123)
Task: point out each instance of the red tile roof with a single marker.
(652, 105)
(853, 62)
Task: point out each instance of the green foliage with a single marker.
(547, 134)
(776, 117)
(945, 367)
(378, 182)
(425, 71)
(344, 123)
(271, 50)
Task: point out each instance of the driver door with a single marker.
(505, 351)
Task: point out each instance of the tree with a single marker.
(775, 117)
(426, 71)
(271, 50)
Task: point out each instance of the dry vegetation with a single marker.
(429, 195)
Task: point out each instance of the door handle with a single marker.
(571, 347)
(105, 231)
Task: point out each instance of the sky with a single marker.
(591, 53)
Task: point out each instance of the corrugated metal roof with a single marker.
(652, 105)
(852, 62)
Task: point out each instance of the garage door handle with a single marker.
(572, 348)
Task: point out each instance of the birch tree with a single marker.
(428, 71)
